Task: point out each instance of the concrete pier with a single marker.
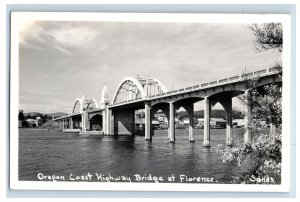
(227, 105)
(148, 122)
(171, 129)
(207, 109)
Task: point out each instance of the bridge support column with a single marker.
(248, 119)
(85, 121)
(71, 123)
(148, 122)
(172, 123)
(207, 109)
(106, 121)
(190, 110)
(112, 122)
(227, 104)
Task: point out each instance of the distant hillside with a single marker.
(36, 114)
(218, 113)
(57, 114)
(32, 114)
(51, 124)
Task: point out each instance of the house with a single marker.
(32, 123)
(140, 124)
(238, 123)
(161, 117)
(186, 121)
(214, 123)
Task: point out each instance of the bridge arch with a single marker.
(159, 84)
(93, 116)
(90, 103)
(183, 102)
(161, 108)
(220, 97)
(136, 88)
(83, 104)
(129, 84)
(77, 103)
(96, 122)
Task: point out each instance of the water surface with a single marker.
(61, 154)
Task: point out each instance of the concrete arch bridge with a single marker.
(117, 116)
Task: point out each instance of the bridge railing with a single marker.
(219, 82)
(228, 80)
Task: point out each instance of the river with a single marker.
(61, 154)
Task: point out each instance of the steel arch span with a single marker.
(137, 88)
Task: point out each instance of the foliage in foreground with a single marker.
(260, 158)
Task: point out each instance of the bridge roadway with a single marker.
(118, 117)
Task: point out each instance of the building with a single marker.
(140, 124)
(186, 121)
(32, 123)
(214, 123)
(238, 123)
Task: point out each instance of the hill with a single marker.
(57, 114)
(49, 125)
(218, 113)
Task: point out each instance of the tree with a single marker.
(262, 156)
(267, 36)
(21, 115)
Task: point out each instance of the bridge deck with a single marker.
(203, 86)
(197, 87)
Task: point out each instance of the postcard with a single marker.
(150, 101)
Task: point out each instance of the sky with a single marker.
(60, 61)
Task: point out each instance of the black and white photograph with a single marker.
(164, 102)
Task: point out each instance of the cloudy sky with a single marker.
(60, 61)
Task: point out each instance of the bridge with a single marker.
(117, 116)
